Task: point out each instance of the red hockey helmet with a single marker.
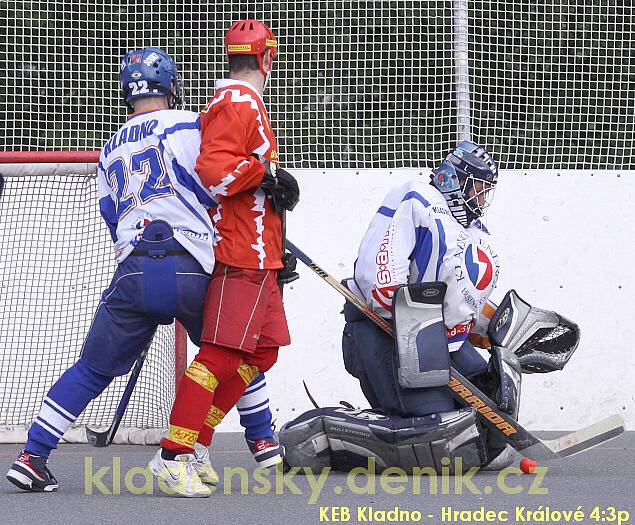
(251, 37)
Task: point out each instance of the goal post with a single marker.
(56, 258)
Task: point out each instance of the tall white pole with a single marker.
(461, 69)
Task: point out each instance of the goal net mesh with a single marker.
(56, 258)
(552, 83)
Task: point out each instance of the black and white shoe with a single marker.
(267, 451)
(29, 472)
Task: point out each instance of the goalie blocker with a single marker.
(420, 335)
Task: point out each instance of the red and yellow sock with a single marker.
(225, 397)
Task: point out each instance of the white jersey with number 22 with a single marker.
(146, 172)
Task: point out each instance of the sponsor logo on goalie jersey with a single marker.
(414, 238)
(479, 267)
(459, 330)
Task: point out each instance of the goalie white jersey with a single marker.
(413, 238)
(146, 172)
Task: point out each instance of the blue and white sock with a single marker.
(253, 408)
(63, 404)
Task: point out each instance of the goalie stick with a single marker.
(491, 415)
(103, 439)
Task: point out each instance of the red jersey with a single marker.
(234, 127)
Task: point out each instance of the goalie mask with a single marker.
(150, 72)
(466, 178)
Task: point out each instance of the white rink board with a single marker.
(564, 244)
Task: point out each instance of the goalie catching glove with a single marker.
(542, 340)
(281, 187)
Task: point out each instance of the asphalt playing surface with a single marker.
(598, 484)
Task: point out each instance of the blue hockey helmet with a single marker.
(456, 178)
(150, 72)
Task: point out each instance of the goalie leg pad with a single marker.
(422, 346)
(344, 438)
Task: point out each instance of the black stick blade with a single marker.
(98, 439)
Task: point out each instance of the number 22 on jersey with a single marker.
(145, 180)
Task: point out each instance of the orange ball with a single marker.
(528, 466)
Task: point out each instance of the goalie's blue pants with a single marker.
(144, 292)
(369, 355)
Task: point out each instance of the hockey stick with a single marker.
(491, 415)
(283, 225)
(103, 439)
(306, 389)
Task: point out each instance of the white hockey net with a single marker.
(357, 84)
(55, 260)
(552, 83)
